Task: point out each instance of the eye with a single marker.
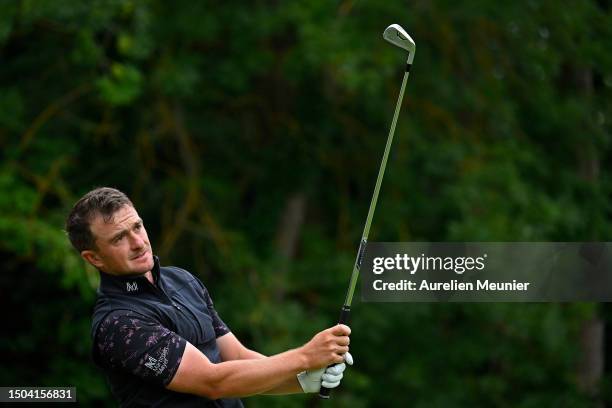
(137, 227)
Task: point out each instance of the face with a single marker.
(122, 244)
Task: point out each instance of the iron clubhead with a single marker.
(396, 35)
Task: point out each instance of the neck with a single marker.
(149, 277)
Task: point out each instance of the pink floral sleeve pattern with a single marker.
(218, 324)
(129, 342)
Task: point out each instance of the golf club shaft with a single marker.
(345, 312)
(381, 173)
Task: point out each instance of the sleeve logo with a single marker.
(159, 364)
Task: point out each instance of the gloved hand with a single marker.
(311, 381)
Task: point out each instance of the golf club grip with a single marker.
(345, 317)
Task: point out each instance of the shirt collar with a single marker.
(129, 284)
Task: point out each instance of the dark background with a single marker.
(249, 134)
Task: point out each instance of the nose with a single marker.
(136, 241)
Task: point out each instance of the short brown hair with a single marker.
(102, 200)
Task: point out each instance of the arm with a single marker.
(235, 378)
(232, 349)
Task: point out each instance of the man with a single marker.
(156, 333)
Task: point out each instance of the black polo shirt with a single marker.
(140, 331)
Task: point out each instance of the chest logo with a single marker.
(132, 287)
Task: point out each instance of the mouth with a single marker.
(141, 256)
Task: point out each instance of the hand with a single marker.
(311, 381)
(327, 347)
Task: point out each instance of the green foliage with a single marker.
(121, 86)
(212, 116)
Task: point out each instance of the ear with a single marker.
(92, 257)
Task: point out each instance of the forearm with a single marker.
(259, 374)
(247, 354)
(289, 386)
(236, 378)
(245, 372)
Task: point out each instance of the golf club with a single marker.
(396, 35)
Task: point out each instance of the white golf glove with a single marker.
(311, 381)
